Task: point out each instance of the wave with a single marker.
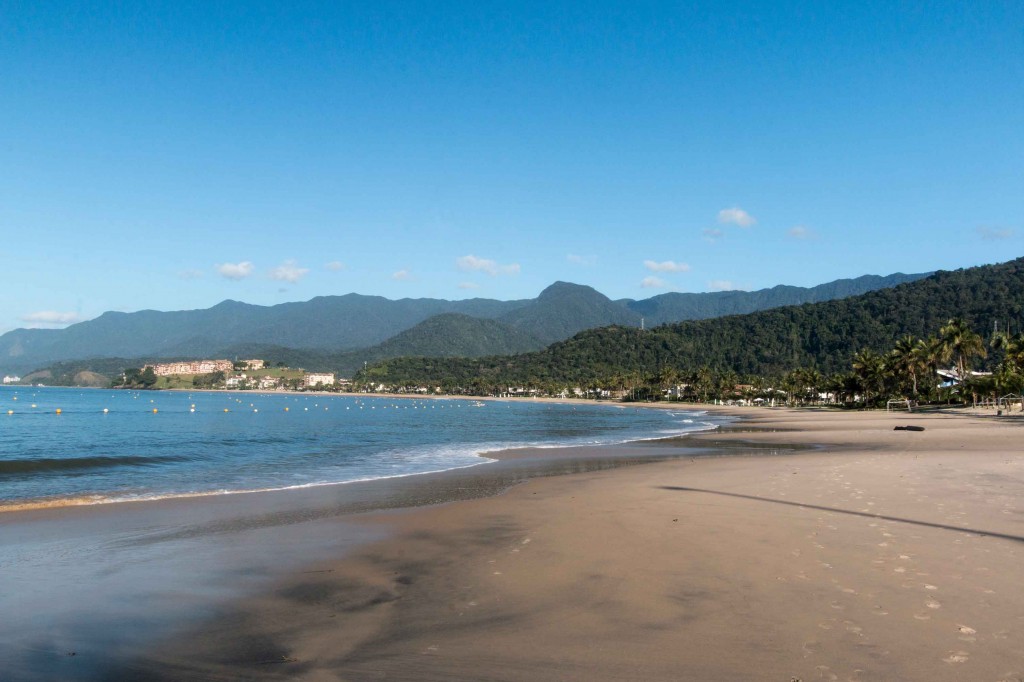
(13, 467)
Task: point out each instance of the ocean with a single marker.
(62, 446)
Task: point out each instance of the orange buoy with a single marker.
(58, 410)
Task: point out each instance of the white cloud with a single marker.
(992, 234)
(712, 234)
(801, 232)
(576, 259)
(236, 271)
(335, 266)
(735, 216)
(51, 317)
(653, 283)
(472, 263)
(288, 271)
(468, 285)
(402, 275)
(666, 266)
(190, 274)
(721, 285)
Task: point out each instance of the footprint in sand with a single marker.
(930, 587)
(932, 604)
(837, 606)
(957, 657)
(966, 633)
(899, 569)
(922, 616)
(825, 673)
(879, 611)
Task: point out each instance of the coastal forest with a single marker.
(826, 339)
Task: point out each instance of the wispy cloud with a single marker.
(48, 317)
(472, 263)
(735, 216)
(712, 234)
(576, 259)
(722, 285)
(801, 232)
(236, 271)
(335, 266)
(402, 275)
(288, 271)
(653, 283)
(992, 234)
(666, 266)
(468, 285)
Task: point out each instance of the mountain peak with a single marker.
(566, 289)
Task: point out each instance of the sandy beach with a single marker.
(871, 554)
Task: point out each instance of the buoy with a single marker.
(33, 404)
(58, 409)
(225, 409)
(286, 409)
(154, 410)
(191, 409)
(10, 411)
(255, 409)
(105, 410)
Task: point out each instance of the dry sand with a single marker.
(885, 555)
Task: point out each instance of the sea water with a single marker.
(86, 446)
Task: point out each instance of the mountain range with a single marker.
(822, 336)
(343, 332)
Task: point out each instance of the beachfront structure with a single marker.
(167, 369)
(254, 364)
(11, 380)
(268, 383)
(318, 378)
(235, 381)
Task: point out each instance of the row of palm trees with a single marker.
(908, 371)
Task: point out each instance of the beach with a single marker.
(863, 554)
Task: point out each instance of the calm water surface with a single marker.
(122, 445)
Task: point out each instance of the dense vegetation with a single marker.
(820, 338)
(331, 325)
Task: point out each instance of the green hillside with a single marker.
(822, 336)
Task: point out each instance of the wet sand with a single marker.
(884, 555)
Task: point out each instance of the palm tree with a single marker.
(906, 359)
(869, 367)
(960, 343)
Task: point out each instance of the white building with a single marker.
(313, 379)
(11, 380)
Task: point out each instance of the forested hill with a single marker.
(675, 307)
(329, 325)
(768, 343)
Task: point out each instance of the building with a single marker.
(235, 381)
(254, 364)
(318, 378)
(191, 367)
(11, 380)
(269, 383)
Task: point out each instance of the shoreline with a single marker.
(486, 457)
(853, 577)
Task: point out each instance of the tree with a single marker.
(960, 343)
(906, 361)
(869, 367)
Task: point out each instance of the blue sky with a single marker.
(173, 155)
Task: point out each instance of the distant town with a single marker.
(223, 374)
